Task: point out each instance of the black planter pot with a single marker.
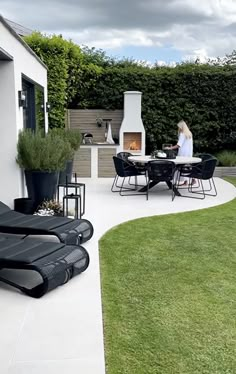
(67, 173)
(41, 185)
(24, 205)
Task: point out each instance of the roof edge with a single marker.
(10, 29)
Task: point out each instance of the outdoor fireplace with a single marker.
(132, 141)
(132, 132)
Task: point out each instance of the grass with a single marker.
(231, 180)
(169, 293)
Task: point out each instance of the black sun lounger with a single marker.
(43, 265)
(68, 231)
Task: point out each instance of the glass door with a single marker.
(33, 109)
(29, 105)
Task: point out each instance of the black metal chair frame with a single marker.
(198, 172)
(128, 170)
(168, 179)
(142, 169)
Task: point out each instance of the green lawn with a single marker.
(169, 293)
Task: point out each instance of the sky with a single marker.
(163, 31)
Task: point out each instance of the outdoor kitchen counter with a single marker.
(99, 144)
(95, 160)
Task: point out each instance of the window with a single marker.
(33, 109)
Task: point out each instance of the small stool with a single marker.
(77, 201)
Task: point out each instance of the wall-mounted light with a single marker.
(48, 107)
(22, 98)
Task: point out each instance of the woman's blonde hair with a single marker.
(185, 130)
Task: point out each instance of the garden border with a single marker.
(224, 171)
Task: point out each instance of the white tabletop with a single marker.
(178, 160)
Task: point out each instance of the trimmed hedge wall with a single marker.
(204, 96)
(63, 60)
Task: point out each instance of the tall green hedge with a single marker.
(63, 60)
(203, 95)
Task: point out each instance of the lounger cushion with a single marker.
(55, 262)
(69, 231)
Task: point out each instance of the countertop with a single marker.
(100, 145)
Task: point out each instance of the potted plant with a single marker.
(50, 208)
(42, 156)
(72, 136)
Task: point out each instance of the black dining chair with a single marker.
(125, 156)
(161, 171)
(139, 166)
(202, 171)
(184, 170)
(123, 170)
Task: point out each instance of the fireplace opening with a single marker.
(132, 141)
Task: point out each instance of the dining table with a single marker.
(178, 161)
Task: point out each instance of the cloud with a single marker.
(204, 27)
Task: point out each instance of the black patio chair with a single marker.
(205, 156)
(123, 170)
(43, 265)
(184, 170)
(68, 231)
(125, 156)
(161, 171)
(202, 171)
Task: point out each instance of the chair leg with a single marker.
(173, 192)
(190, 190)
(122, 184)
(148, 183)
(127, 190)
(135, 184)
(203, 191)
(114, 184)
(212, 187)
(215, 193)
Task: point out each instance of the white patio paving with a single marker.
(63, 332)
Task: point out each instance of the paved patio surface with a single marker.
(62, 332)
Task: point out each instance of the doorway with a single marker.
(33, 108)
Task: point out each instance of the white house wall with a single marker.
(9, 172)
(11, 120)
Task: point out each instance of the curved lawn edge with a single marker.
(168, 287)
(229, 180)
(164, 215)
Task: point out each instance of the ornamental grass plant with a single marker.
(227, 158)
(72, 136)
(42, 152)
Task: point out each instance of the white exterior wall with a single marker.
(11, 120)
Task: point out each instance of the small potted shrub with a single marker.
(42, 156)
(73, 136)
(50, 208)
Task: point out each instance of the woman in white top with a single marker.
(184, 145)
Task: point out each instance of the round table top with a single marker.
(178, 160)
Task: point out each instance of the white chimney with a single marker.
(132, 132)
